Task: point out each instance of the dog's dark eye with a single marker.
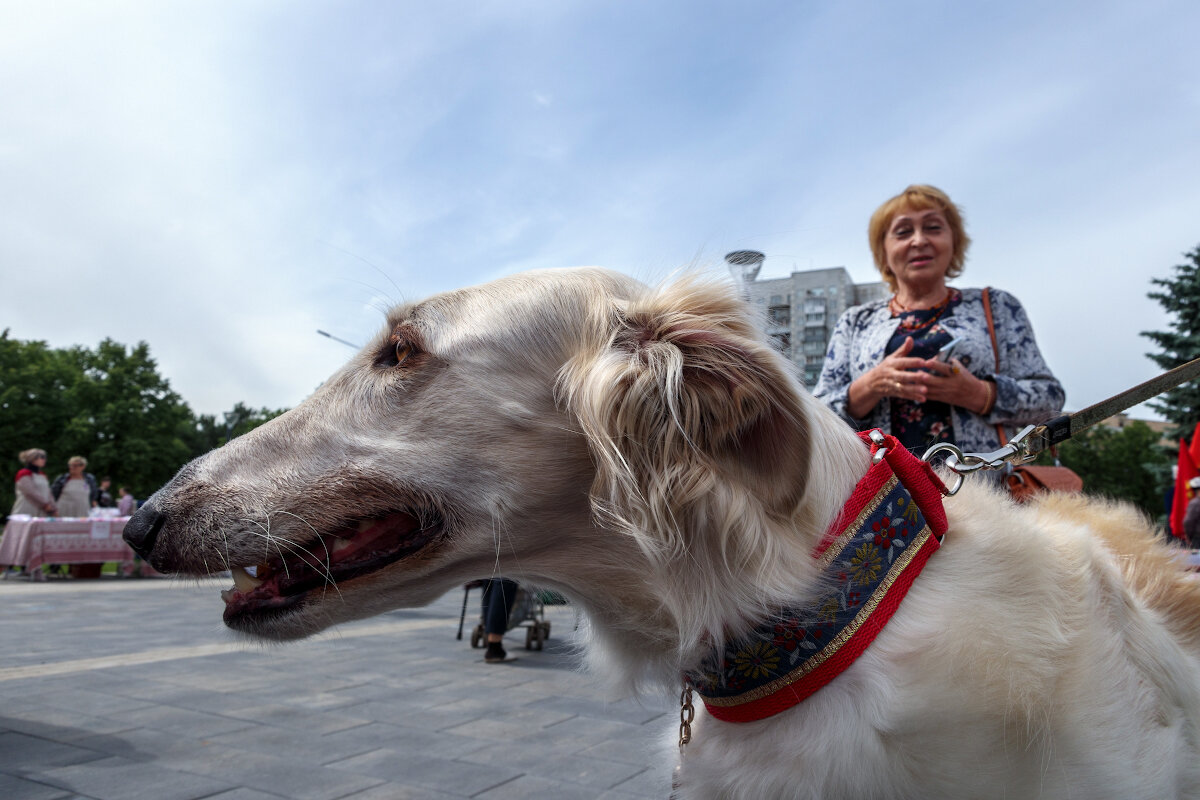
(399, 351)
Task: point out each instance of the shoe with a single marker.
(495, 653)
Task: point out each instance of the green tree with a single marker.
(1127, 464)
(211, 433)
(109, 405)
(1180, 296)
(125, 418)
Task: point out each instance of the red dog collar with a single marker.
(888, 528)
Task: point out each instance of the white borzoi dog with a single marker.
(646, 453)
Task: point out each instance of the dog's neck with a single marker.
(652, 631)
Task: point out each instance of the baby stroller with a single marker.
(528, 610)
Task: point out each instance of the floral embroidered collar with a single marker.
(892, 522)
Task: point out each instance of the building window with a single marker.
(779, 315)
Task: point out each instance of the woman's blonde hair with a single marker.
(918, 197)
(32, 454)
(73, 460)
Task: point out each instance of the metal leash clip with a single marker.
(1021, 449)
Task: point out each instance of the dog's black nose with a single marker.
(142, 529)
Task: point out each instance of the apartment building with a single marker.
(799, 312)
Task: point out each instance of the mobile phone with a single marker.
(947, 351)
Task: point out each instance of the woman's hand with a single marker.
(895, 376)
(954, 384)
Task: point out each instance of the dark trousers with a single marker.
(499, 594)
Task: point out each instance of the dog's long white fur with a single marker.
(646, 452)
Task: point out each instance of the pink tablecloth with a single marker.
(33, 542)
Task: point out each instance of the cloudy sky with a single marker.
(221, 179)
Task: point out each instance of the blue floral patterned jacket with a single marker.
(1026, 391)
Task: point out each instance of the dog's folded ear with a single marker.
(686, 400)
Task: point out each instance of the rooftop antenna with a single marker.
(336, 339)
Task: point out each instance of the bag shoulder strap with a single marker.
(987, 312)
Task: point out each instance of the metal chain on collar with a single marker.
(1021, 449)
(687, 713)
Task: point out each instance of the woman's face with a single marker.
(919, 246)
(75, 469)
(39, 462)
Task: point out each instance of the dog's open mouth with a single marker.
(281, 582)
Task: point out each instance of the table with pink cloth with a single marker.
(32, 542)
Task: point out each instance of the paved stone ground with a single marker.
(132, 689)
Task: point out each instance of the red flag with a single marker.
(1183, 492)
(1194, 448)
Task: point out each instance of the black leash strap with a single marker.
(1062, 428)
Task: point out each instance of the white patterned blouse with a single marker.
(1026, 391)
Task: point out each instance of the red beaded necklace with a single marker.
(909, 317)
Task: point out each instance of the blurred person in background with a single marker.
(1191, 518)
(33, 490)
(76, 491)
(105, 498)
(126, 503)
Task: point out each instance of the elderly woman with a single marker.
(33, 490)
(76, 491)
(881, 369)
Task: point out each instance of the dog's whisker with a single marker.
(300, 553)
(328, 556)
(269, 541)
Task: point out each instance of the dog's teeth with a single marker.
(227, 595)
(339, 544)
(243, 581)
(252, 571)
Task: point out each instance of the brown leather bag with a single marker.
(1027, 480)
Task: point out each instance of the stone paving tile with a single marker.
(509, 725)
(14, 788)
(121, 779)
(285, 716)
(652, 782)
(308, 747)
(85, 701)
(143, 745)
(528, 786)
(630, 711)
(26, 755)
(244, 794)
(592, 772)
(270, 773)
(56, 724)
(396, 791)
(585, 732)
(403, 738)
(181, 720)
(444, 775)
(652, 746)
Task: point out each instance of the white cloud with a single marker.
(222, 179)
